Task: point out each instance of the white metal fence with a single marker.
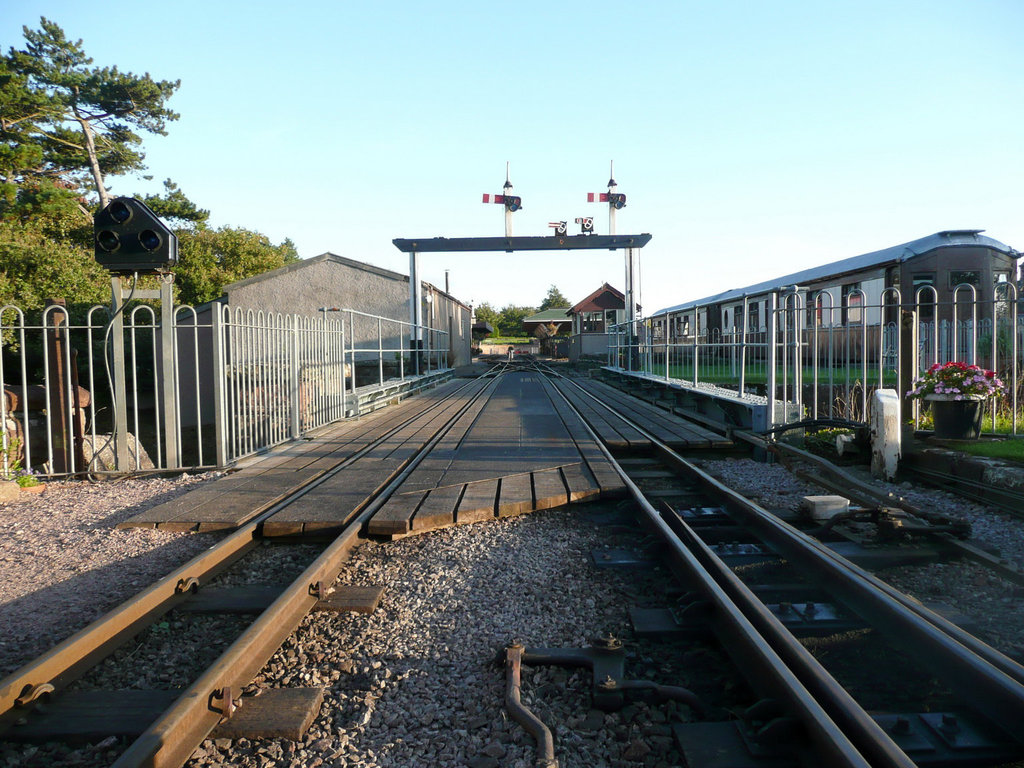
(815, 357)
(237, 382)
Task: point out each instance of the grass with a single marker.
(1007, 450)
(723, 373)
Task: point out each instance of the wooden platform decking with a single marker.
(261, 481)
(672, 430)
(517, 448)
(522, 451)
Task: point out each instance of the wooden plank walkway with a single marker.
(671, 429)
(517, 448)
(521, 451)
(230, 501)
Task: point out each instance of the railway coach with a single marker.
(932, 275)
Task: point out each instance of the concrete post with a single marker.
(885, 433)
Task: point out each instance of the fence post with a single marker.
(773, 333)
(169, 377)
(120, 427)
(908, 364)
(380, 351)
(696, 347)
(220, 384)
(296, 373)
(344, 391)
(58, 388)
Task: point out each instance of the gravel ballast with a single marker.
(64, 564)
(414, 683)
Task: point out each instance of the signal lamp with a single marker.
(129, 237)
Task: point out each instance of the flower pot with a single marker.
(956, 419)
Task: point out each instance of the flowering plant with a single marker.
(957, 380)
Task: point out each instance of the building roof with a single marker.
(894, 254)
(603, 298)
(336, 259)
(556, 315)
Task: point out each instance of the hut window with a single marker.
(962, 277)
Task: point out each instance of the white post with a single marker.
(169, 383)
(415, 309)
(772, 362)
(630, 306)
(885, 433)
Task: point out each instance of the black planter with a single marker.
(957, 419)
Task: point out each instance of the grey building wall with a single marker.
(330, 280)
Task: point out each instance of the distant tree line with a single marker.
(66, 128)
(508, 321)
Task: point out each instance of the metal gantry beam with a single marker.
(414, 247)
(509, 244)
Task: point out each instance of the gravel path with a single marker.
(414, 684)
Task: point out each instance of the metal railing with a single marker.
(816, 357)
(239, 381)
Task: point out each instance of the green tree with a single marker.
(209, 259)
(510, 319)
(554, 300)
(176, 209)
(485, 313)
(35, 266)
(73, 121)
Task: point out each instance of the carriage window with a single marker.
(921, 280)
(853, 312)
(1001, 277)
(752, 313)
(960, 277)
(737, 320)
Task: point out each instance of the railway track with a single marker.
(800, 713)
(215, 695)
(699, 540)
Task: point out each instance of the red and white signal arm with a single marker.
(560, 227)
(499, 199)
(586, 224)
(617, 199)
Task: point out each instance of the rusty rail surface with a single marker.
(172, 738)
(73, 657)
(840, 731)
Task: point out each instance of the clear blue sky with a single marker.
(751, 138)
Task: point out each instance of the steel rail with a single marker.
(993, 683)
(840, 730)
(72, 657)
(174, 736)
(1005, 664)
